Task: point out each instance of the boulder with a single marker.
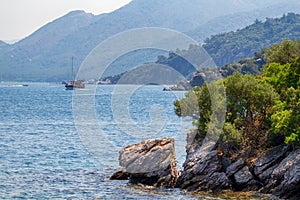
(151, 162)
(120, 175)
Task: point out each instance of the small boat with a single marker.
(73, 84)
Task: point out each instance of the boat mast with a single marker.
(73, 76)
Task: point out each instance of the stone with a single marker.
(265, 176)
(285, 178)
(244, 180)
(203, 169)
(151, 162)
(120, 175)
(269, 159)
(235, 167)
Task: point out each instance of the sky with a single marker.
(20, 18)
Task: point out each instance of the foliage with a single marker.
(260, 107)
(285, 78)
(245, 66)
(283, 53)
(231, 133)
(233, 46)
(196, 104)
(249, 103)
(286, 119)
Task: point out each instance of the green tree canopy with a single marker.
(284, 74)
(259, 108)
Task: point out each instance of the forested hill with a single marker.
(235, 45)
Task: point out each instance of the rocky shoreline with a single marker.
(153, 162)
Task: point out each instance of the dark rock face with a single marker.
(151, 162)
(263, 165)
(285, 178)
(276, 172)
(203, 168)
(244, 180)
(235, 167)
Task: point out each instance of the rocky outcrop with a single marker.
(264, 165)
(204, 173)
(203, 169)
(284, 180)
(244, 180)
(151, 162)
(277, 171)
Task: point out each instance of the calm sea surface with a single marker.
(44, 156)
(41, 152)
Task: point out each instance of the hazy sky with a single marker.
(20, 18)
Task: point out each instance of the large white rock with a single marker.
(151, 162)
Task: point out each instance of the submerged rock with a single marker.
(120, 175)
(151, 162)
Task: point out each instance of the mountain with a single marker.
(46, 54)
(3, 44)
(235, 45)
(34, 58)
(240, 20)
(246, 46)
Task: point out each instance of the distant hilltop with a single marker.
(3, 44)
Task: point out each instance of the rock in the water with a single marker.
(277, 171)
(120, 175)
(206, 168)
(151, 162)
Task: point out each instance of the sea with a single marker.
(57, 144)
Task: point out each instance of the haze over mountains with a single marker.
(45, 55)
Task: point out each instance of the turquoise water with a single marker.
(42, 153)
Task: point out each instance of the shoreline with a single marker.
(273, 174)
